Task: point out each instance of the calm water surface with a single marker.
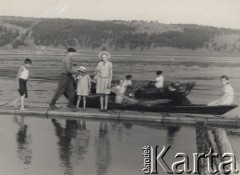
(39, 146)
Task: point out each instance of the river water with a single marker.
(36, 146)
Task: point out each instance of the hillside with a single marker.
(19, 32)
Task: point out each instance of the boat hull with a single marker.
(165, 108)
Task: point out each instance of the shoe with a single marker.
(23, 109)
(105, 110)
(52, 106)
(71, 106)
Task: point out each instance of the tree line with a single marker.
(114, 34)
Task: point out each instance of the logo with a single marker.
(154, 159)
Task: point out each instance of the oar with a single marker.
(153, 102)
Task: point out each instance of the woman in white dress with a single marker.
(228, 94)
(104, 79)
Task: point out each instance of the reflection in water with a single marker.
(128, 125)
(23, 142)
(103, 152)
(81, 143)
(74, 152)
(73, 143)
(120, 128)
(171, 131)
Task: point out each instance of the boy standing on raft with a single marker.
(22, 80)
(66, 83)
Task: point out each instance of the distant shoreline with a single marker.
(169, 52)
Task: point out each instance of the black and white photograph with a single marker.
(119, 87)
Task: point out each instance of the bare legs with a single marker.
(84, 101)
(103, 98)
(106, 102)
(22, 98)
(101, 101)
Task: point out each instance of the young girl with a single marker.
(83, 86)
(104, 78)
(22, 80)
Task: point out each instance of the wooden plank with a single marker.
(224, 145)
(123, 115)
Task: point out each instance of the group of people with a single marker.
(77, 80)
(102, 77)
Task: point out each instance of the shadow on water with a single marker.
(23, 139)
(103, 149)
(73, 141)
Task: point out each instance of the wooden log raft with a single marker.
(224, 146)
(203, 146)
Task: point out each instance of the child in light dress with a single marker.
(83, 86)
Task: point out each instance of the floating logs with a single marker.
(225, 147)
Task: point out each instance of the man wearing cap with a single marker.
(66, 83)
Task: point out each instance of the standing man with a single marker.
(66, 83)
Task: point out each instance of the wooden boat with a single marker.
(156, 101)
(163, 107)
(170, 91)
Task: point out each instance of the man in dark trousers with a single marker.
(66, 83)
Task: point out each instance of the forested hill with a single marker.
(131, 35)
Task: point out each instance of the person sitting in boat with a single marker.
(174, 86)
(124, 89)
(159, 80)
(127, 87)
(228, 94)
(118, 90)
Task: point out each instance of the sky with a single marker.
(219, 13)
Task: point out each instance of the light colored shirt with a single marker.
(126, 84)
(119, 95)
(228, 96)
(24, 74)
(159, 81)
(104, 69)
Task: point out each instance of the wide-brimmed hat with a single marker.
(82, 69)
(102, 53)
